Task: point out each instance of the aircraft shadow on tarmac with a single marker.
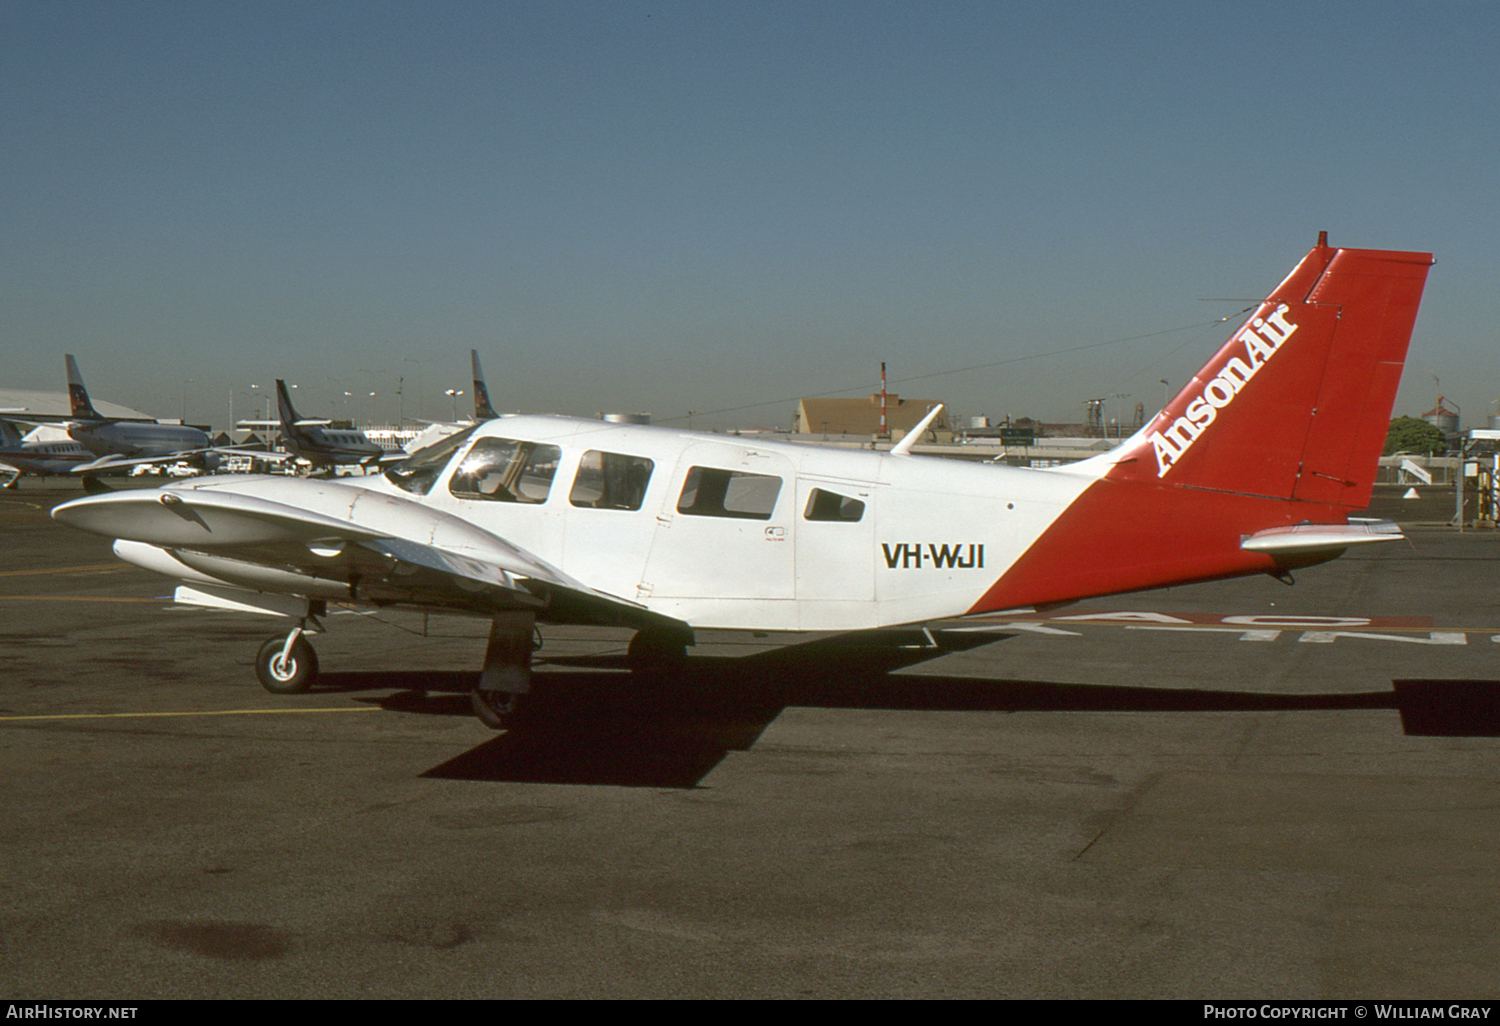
(593, 723)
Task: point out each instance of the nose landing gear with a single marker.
(286, 666)
(289, 666)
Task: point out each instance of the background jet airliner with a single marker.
(1254, 468)
(39, 451)
(119, 443)
(317, 441)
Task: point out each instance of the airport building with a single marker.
(862, 417)
(56, 404)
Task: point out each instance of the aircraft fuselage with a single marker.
(720, 531)
(134, 439)
(323, 447)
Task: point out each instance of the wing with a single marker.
(343, 543)
(112, 462)
(303, 422)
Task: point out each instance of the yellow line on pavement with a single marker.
(67, 569)
(81, 598)
(218, 712)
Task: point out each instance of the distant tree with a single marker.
(1414, 435)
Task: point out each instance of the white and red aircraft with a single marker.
(1253, 468)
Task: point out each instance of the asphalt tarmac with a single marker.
(1233, 790)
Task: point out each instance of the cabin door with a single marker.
(724, 536)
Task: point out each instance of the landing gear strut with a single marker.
(504, 688)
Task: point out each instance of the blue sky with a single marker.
(718, 207)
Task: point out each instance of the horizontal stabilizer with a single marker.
(276, 424)
(1307, 539)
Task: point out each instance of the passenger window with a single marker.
(823, 505)
(709, 492)
(609, 480)
(504, 470)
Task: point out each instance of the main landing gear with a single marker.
(499, 710)
(503, 691)
(503, 699)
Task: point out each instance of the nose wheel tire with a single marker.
(288, 676)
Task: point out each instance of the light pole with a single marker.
(1117, 395)
(258, 394)
(254, 398)
(454, 393)
(419, 363)
(370, 385)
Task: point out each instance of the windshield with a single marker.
(506, 470)
(418, 471)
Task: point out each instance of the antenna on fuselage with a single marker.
(903, 447)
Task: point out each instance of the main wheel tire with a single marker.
(295, 675)
(498, 710)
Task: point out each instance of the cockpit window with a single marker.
(418, 471)
(609, 480)
(505, 470)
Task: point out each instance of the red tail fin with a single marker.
(1283, 427)
(1296, 404)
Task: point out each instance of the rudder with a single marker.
(284, 410)
(483, 411)
(78, 396)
